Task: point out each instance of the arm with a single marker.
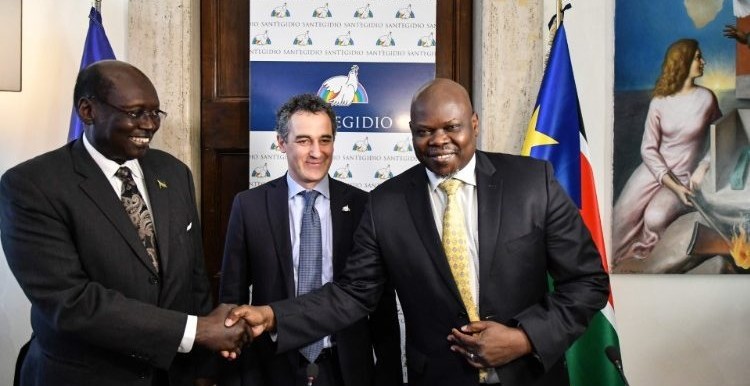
(235, 273)
(651, 142)
(581, 287)
(39, 236)
(42, 252)
(386, 342)
(301, 320)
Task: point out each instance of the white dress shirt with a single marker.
(467, 198)
(109, 168)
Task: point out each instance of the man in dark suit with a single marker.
(266, 248)
(468, 239)
(102, 234)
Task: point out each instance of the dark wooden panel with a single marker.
(225, 47)
(453, 56)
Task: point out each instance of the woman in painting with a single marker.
(673, 151)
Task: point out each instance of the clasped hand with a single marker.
(212, 333)
(489, 344)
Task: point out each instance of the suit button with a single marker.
(153, 280)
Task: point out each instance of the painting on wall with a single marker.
(681, 193)
(10, 45)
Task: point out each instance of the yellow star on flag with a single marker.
(535, 138)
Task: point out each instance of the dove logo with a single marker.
(343, 173)
(405, 13)
(384, 173)
(363, 13)
(343, 90)
(403, 146)
(262, 39)
(427, 41)
(322, 12)
(281, 12)
(362, 145)
(303, 39)
(261, 171)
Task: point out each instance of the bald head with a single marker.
(444, 126)
(97, 79)
(438, 88)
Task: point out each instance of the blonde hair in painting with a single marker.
(676, 67)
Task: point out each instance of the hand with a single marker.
(732, 32)
(698, 175)
(259, 319)
(683, 193)
(492, 344)
(214, 335)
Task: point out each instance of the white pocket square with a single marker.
(189, 227)
(345, 209)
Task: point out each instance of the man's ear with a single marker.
(281, 143)
(85, 111)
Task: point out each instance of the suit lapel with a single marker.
(158, 195)
(341, 222)
(489, 194)
(97, 187)
(277, 201)
(424, 222)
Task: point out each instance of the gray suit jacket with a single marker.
(101, 315)
(528, 228)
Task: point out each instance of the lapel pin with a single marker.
(346, 209)
(162, 184)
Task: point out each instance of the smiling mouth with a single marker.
(442, 157)
(141, 141)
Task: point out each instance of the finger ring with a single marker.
(472, 356)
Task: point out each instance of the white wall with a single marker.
(36, 119)
(674, 329)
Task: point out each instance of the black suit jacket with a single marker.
(100, 313)
(258, 252)
(528, 227)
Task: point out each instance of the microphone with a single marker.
(613, 355)
(312, 373)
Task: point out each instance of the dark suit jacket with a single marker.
(528, 227)
(258, 252)
(100, 313)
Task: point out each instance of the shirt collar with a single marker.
(465, 175)
(108, 166)
(323, 187)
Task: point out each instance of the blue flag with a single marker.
(96, 48)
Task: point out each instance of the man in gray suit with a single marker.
(103, 236)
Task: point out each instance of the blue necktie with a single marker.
(310, 261)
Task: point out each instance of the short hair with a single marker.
(308, 103)
(91, 81)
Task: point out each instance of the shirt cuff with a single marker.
(189, 337)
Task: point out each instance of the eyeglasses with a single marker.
(136, 115)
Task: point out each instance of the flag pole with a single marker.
(557, 19)
(98, 5)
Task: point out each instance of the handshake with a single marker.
(229, 327)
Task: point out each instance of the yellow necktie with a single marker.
(456, 247)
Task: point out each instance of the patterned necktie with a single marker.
(139, 214)
(456, 247)
(310, 261)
